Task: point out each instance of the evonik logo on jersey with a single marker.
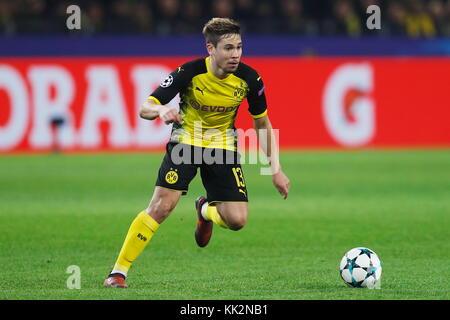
(197, 106)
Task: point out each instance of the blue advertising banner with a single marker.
(26, 46)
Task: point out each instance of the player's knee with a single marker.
(160, 210)
(165, 208)
(237, 223)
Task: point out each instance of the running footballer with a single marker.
(211, 90)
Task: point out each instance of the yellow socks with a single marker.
(213, 215)
(141, 231)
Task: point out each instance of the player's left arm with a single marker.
(269, 145)
(258, 109)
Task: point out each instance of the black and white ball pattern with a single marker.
(361, 268)
(167, 81)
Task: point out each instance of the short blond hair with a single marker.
(217, 27)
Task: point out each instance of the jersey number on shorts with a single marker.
(239, 177)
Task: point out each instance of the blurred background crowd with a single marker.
(410, 18)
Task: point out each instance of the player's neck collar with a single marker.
(208, 68)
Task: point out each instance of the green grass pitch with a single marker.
(62, 210)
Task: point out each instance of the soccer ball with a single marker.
(361, 268)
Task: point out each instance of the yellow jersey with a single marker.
(209, 105)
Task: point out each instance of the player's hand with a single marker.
(282, 183)
(169, 115)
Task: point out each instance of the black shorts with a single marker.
(220, 170)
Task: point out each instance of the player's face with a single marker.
(227, 53)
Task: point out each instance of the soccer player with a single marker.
(211, 90)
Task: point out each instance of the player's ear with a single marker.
(209, 47)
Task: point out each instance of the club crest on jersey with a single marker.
(240, 91)
(167, 81)
(171, 177)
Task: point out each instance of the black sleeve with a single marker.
(256, 97)
(177, 80)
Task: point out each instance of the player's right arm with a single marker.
(151, 110)
(176, 81)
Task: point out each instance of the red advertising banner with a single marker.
(314, 102)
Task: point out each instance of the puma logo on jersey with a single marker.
(201, 90)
